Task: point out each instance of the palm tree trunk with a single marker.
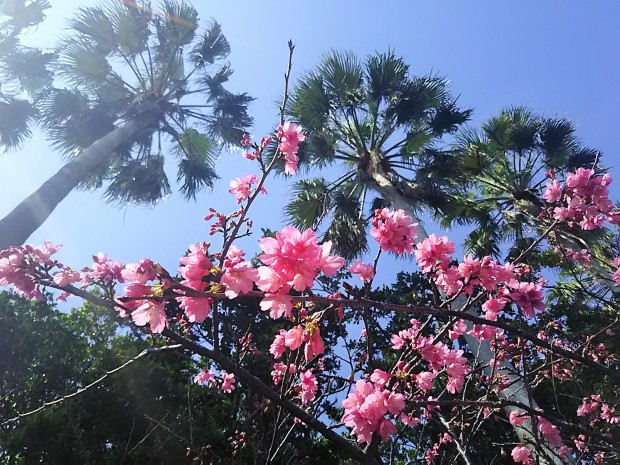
(29, 215)
(516, 391)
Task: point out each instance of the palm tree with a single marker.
(503, 171)
(139, 83)
(385, 129)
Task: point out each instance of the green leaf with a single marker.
(16, 116)
(141, 181)
(309, 205)
(211, 46)
(385, 75)
(342, 75)
(192, 144)
(94, 24)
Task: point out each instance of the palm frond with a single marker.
(342, 76)
(95, 26)
(447, 118)
(30, 67)
(583, 158)
(215, 82)
(131, 22)
(178, 24)
(82, 64)
(230, 118)
(141, 181)
(514, 129)
(385, 74)
(417, 98)
(192, 144)
(310, 103)
(211, 46)
(310, 204)
(25, 14)
(557, 141)
(16, 117)
(194, 175)
(347, 230)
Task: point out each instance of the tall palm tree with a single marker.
(384, 129)
(140, 82)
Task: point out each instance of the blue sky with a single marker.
(557, 57)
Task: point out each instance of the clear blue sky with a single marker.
(558, 57)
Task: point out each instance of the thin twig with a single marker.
(94, 383)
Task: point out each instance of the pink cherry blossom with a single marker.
(239, 276)
(204, 377)
(424, 380)
(242, 187)
(528, 296)
(278, 372)
(66, 276)
(152, 313)
(290, 136)
(434, 252)
(517, 417)
(522, 454)
(553, 191)
(366, 408)
(197, 265)
(309, 387)
(228, 382)
(140, 272)
(394, 231)
(278, 346)
(294, 338)
(549, 431)
(278, 305)
(314, 344)
(365, 272)
(197, 309)
(294, 259)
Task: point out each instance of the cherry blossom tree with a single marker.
(414, 366)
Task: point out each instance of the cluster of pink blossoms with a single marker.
(147, 310)
(196, 266)
(239, 276)
(209, 377)
(598, 410)
(438, 356)
(433, 256)
(19, 266)
(293, 259)
(366, 407)
(241, 188)
(395, 231)
(584, 199)
(366, 272)
(290, 136)
(256, 152)
(309, 335)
